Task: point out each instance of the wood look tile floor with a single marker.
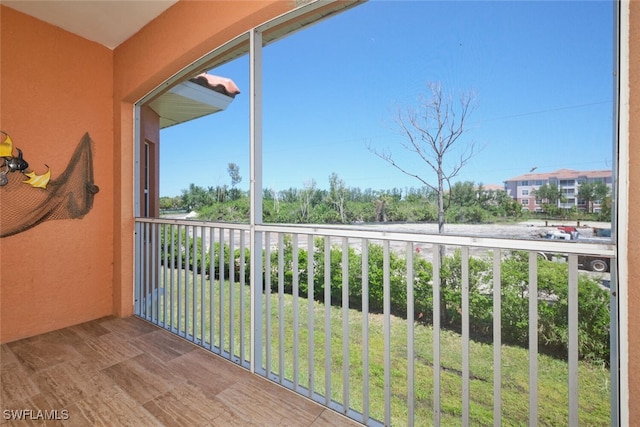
(127, 372)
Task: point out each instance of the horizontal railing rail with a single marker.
(576, 247)
(390, 327)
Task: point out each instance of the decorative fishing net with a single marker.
(68, 196)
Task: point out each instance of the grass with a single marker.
(594, 404)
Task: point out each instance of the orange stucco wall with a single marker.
(633, 261)
(55, 87)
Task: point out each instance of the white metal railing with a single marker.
(186, 275)
(342, 316)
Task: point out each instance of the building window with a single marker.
(525, 202)
(524, 183)
(525, 192)
(538, 182)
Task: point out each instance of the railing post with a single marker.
(497, 338)
(365, 331)
(437, 249)
(573, 339)
(466, 382)
(410, 337)
(533, 339)
(138, 270)
(386, 329)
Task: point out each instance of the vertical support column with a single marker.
(136, 157)
(614, 349)
(137, 267)
(255, 190)
(619, 301)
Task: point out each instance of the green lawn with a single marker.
(552, 378)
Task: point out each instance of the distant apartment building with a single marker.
(522, 188)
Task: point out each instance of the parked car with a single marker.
(585, 262)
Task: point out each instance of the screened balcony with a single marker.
(384, 327)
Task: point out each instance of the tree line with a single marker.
(466, 202)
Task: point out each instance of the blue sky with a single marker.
(542, 72)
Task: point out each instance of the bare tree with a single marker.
(338, 195)
(234, 173)
(432, 131)
(276, 201)
(305, 199)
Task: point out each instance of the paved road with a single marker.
(523, 230)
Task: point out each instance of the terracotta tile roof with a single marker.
(219, 84)
(493, 187)
(561, 174)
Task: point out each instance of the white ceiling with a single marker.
(108, 22)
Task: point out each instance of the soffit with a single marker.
(108, 22)
(188, 101)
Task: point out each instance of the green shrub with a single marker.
(593, 308)
(593, 301)
(480, 293)
(397, 281)
(397, 268)
(175, 256)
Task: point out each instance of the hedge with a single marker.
(593, 301)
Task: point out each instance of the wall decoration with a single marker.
(68, 196)
(12, 163)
